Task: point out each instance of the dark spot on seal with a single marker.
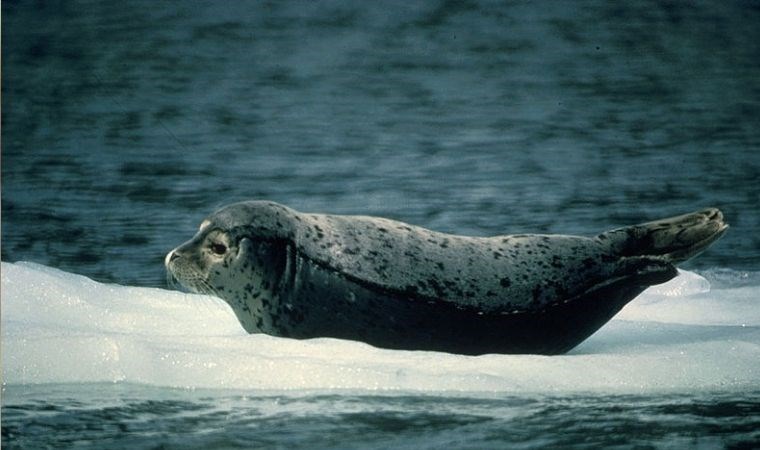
(411, 255)
(505, 282)
(437, 288)
(608, 258)
(411, 290)
(382, 230)
(440, 265)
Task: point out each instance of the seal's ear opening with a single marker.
(244, 249)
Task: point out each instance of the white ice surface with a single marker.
(59, 327)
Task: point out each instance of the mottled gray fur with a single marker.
(261, 272)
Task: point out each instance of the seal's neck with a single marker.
(265, 279)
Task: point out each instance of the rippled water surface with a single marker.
(140, 417)
(125, 123)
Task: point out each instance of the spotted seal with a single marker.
(400, 286)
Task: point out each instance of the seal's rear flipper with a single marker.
(674, 239)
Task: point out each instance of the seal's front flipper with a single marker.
(642, 271)
(675, 239)
(568, 323)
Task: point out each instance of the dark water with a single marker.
(124, 123)
(139, 417)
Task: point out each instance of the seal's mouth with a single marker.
(186, 280)
(182, 278)
(172, 282)
(195, 285)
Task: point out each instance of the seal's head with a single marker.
(239, 254)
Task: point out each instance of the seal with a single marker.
(399, 286)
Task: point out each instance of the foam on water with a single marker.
(59, 327)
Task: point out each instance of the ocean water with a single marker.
(125, 123)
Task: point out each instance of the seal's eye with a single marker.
(218, 249)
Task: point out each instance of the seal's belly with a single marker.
(324, 303)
